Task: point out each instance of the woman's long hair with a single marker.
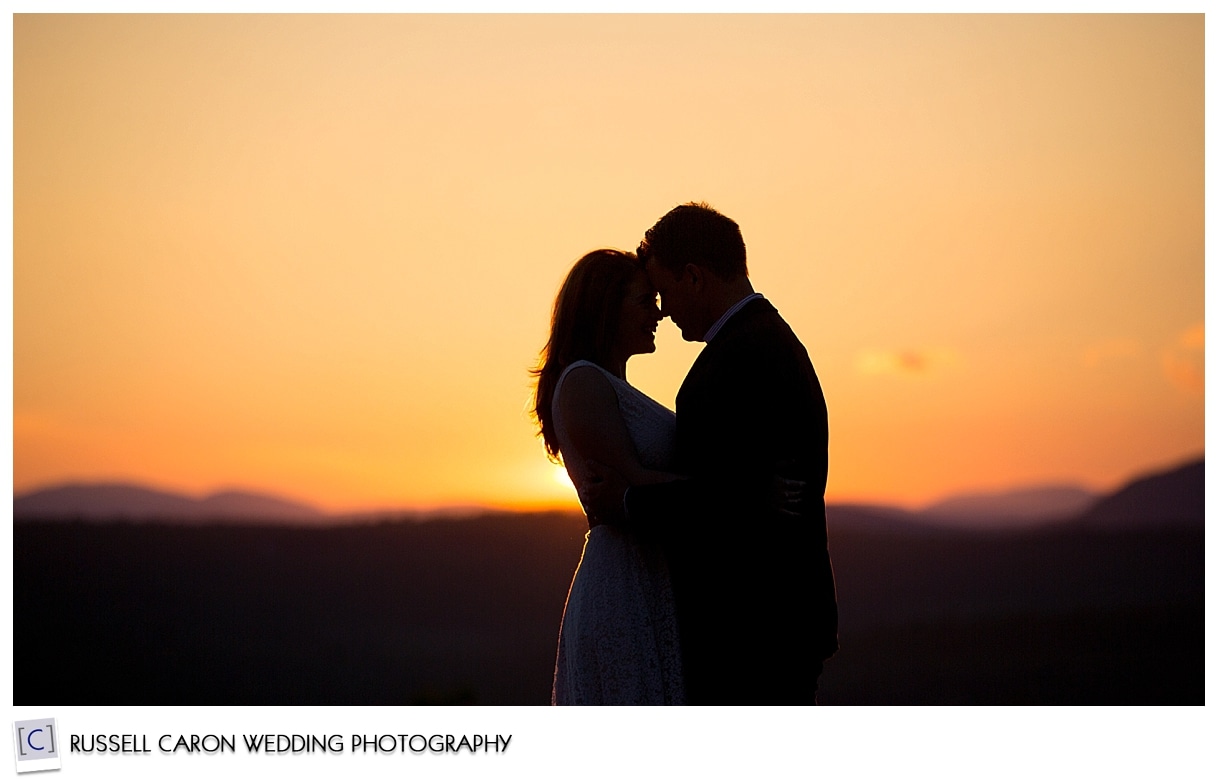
(583, 327)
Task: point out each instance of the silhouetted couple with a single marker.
(705, 576)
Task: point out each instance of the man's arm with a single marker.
(609, 498)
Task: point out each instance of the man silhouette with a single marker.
(752, 582)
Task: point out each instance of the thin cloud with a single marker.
(1184, 361)
(904, 362)
(1194, 337)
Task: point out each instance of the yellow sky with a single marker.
(316, 255)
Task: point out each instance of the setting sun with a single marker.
(562, 477)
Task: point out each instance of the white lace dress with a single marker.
(618, 640)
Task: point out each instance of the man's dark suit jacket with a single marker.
(754, 589)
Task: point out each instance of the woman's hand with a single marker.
(602, 494)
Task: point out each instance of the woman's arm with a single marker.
(595, 431)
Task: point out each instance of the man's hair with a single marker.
(695, 233)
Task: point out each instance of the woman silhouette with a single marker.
(618, 639)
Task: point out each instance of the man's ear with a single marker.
(695, 274)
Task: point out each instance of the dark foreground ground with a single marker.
(467, 612)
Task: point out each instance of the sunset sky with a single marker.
(316, 255)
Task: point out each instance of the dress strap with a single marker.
(562, 378)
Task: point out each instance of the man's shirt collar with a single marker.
(727, 315)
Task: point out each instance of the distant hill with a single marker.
(1023, 507)
(108, 501)
(1173, 498)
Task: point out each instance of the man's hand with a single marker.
(602, 494)
(787, 489)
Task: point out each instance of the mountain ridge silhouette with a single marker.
(1169, 497)
(130, 501)
(1174, 495)
(1018, 506)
